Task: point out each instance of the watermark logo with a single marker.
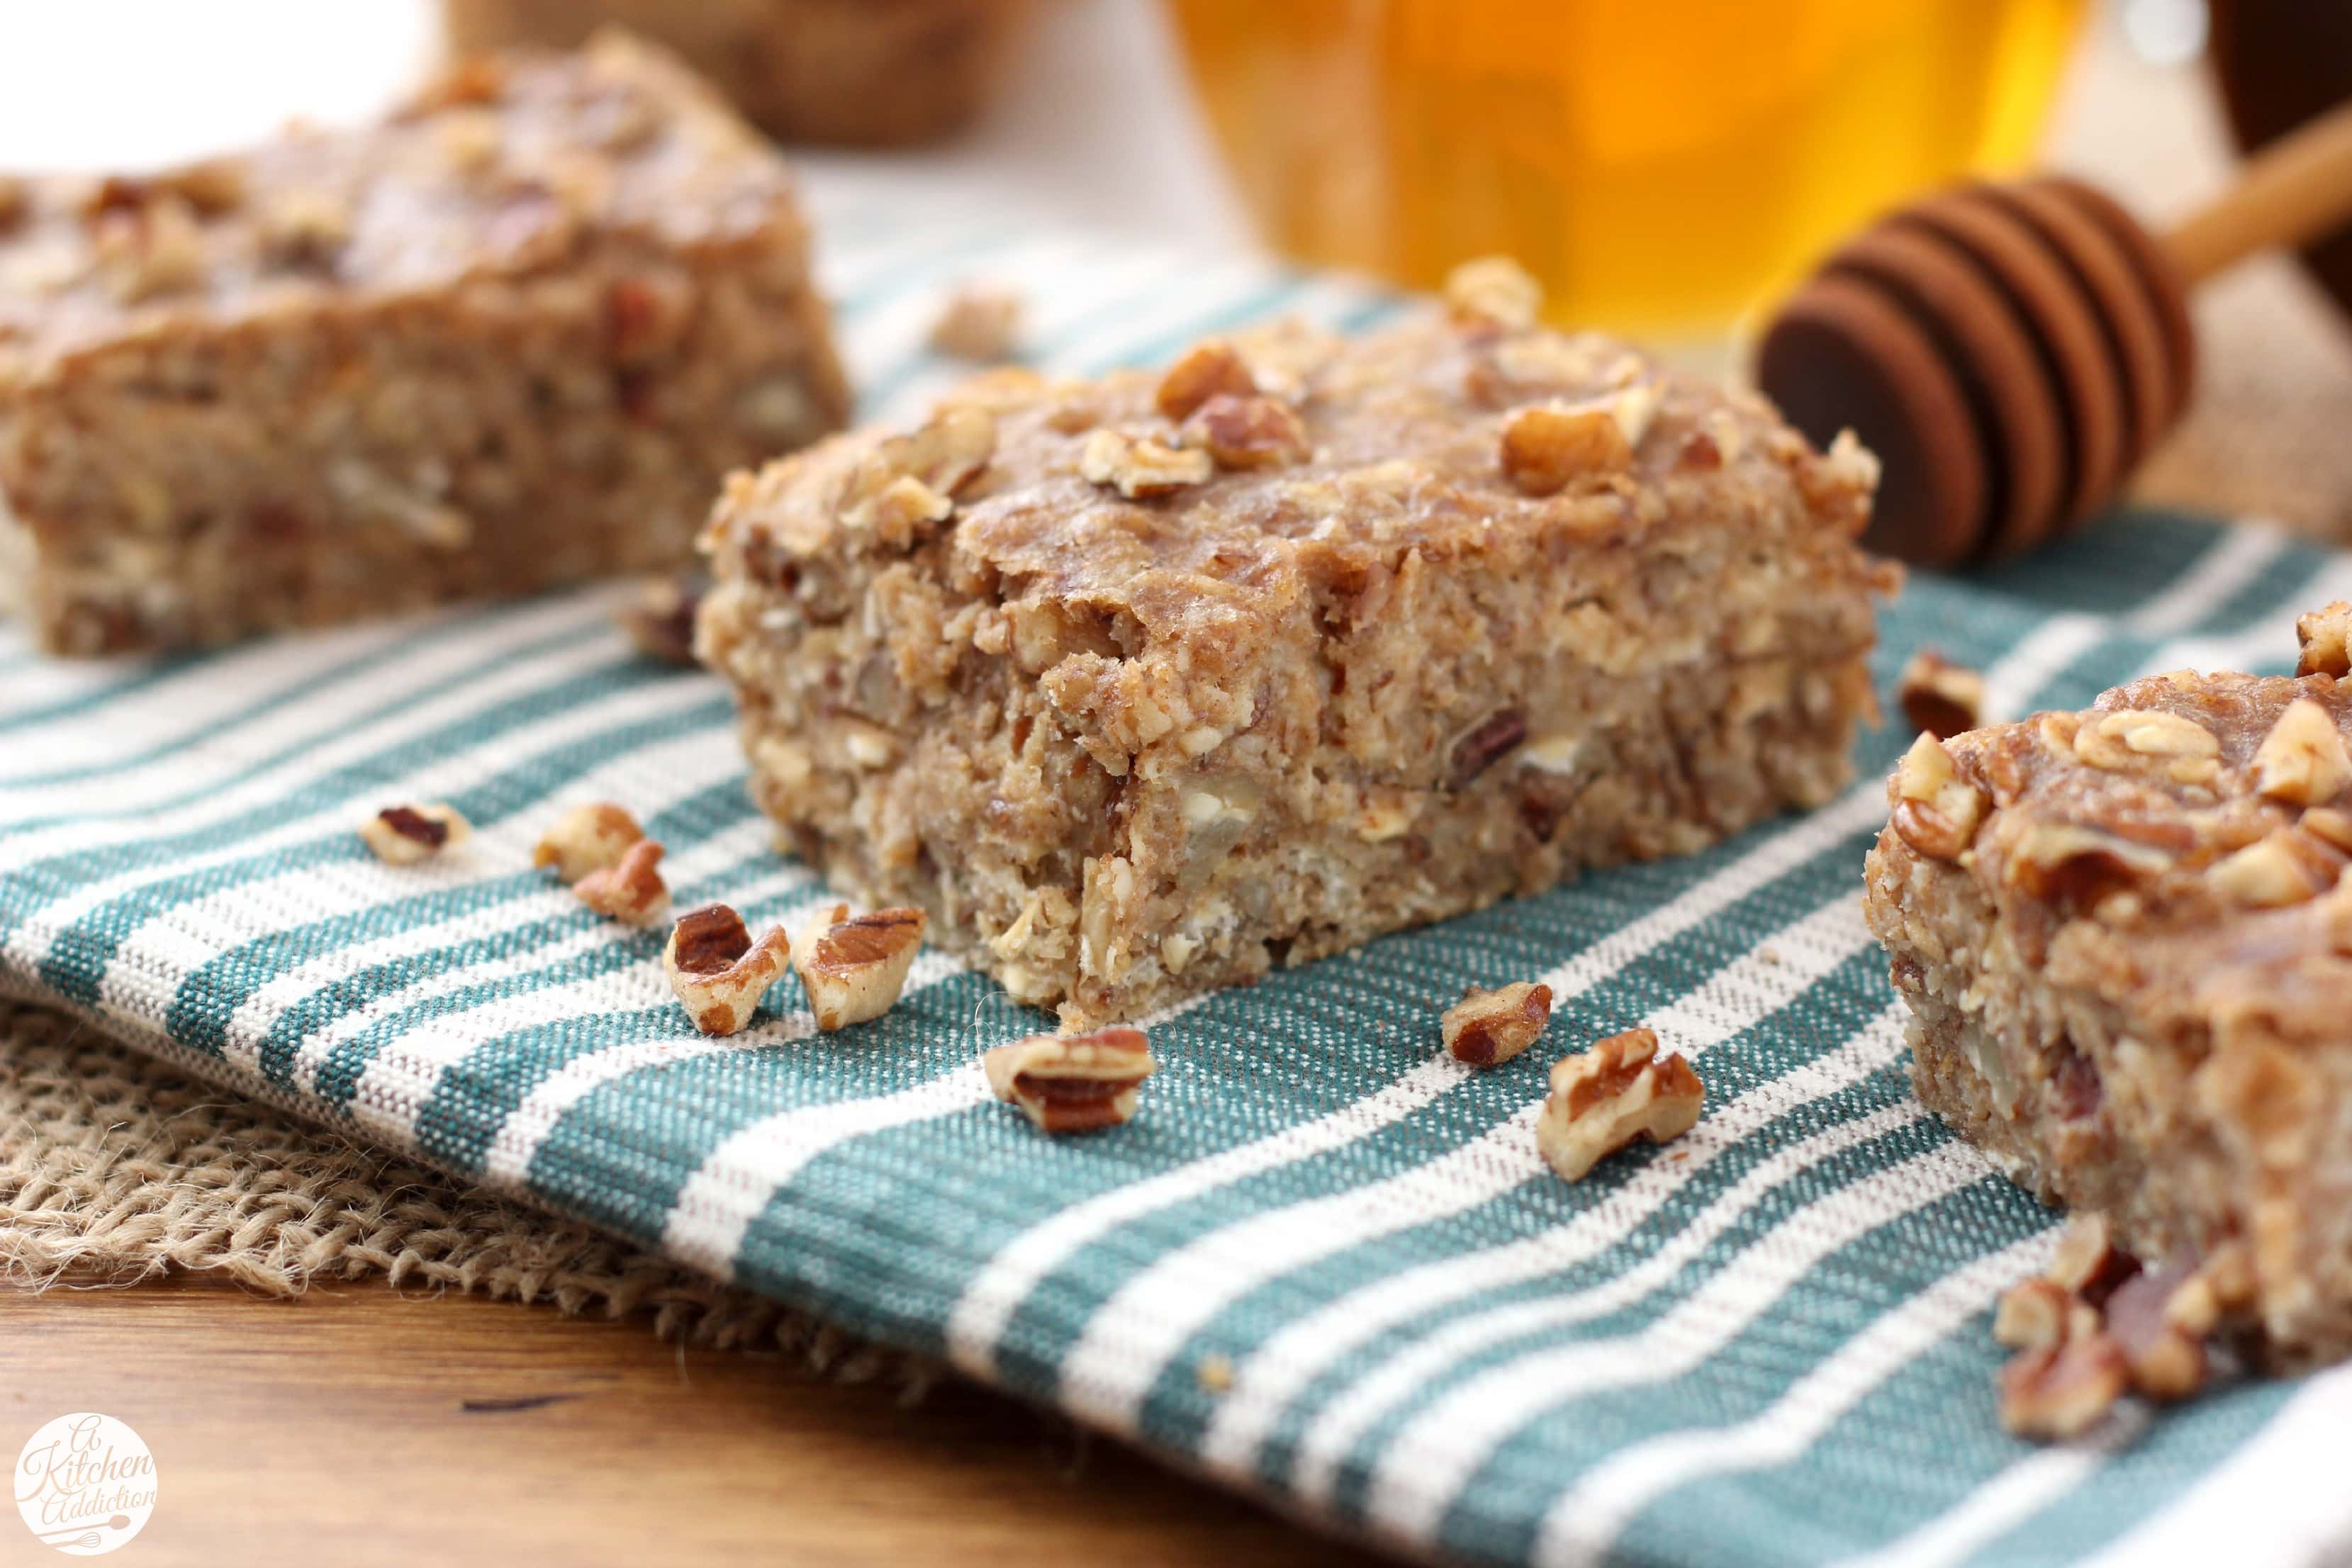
(85, 1484)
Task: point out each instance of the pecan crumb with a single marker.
(718, 971)
(1940, 697)
(1252, 432)
(403, 835)
(1486, 1028)
(1209, 367)
(1548, 444)
(1072, 1083)
(2166, 1361)
(659, 617)
(2320, 640)
(631, 890)
(1936, 810)
(1493, 290)
(979, 324)
(2131, 738)
(304, 228)
(854, 969)
(2034, 1314)
(1603, 1098)
(586, 838)
(2087, 1263)
(2063, 1390)
(911, 481)
(1140, 467)
(1488, 742)
(2283, 867)
(2302, 761)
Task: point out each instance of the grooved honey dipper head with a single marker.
(2009, 352)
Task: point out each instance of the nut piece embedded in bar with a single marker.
(1140, 467)
(403, 835)
(719, 973)
(1545, 447)
(1210, 368)
(854, 969)
(591, 837)
(1489, 1027)
(1072, 1083)
(1603, 1098)
(1940, 697)
(631, 890)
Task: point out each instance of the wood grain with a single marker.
(357, 1426)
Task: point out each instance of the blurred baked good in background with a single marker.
(867, 73)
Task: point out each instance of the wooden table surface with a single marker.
(358, 1426)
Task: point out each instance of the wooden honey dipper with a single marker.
(2011, 352)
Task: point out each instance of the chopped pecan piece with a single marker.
(659, 618)
(978, 323)
(1936, 810)
(1488, 742)
(2185, 749)
(1546, 446)
(304, 228)
(1603, 1098)
(909, 481)
(1210, 368)
(591, 837)
(853, 969)
(1072, 1083)
(148, 247)
(2283, 867)
(719, 973)
(1253, 432)
(2087, 1263)
(1940, 697)
(2064, 862)
(2063, 1390)
(2034, 1314)
(631, 890)
(2320, 641)
(2165, 1361)
(403, 835)
(1140, 467)
(1486, 1028)
(2302, 761)
(1493, 290)
(2329, 825)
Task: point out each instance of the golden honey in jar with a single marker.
(1661, 165)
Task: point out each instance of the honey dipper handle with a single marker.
(2294, 190)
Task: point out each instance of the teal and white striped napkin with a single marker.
(1324, 1262)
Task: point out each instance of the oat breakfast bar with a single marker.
(2126, 944)
(1148, 685)
(513, 335)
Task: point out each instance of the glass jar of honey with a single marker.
(1661, 165)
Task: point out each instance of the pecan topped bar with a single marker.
(2125, 940)
(511, 336)
(1147, 685)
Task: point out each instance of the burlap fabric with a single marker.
(114, 1168)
